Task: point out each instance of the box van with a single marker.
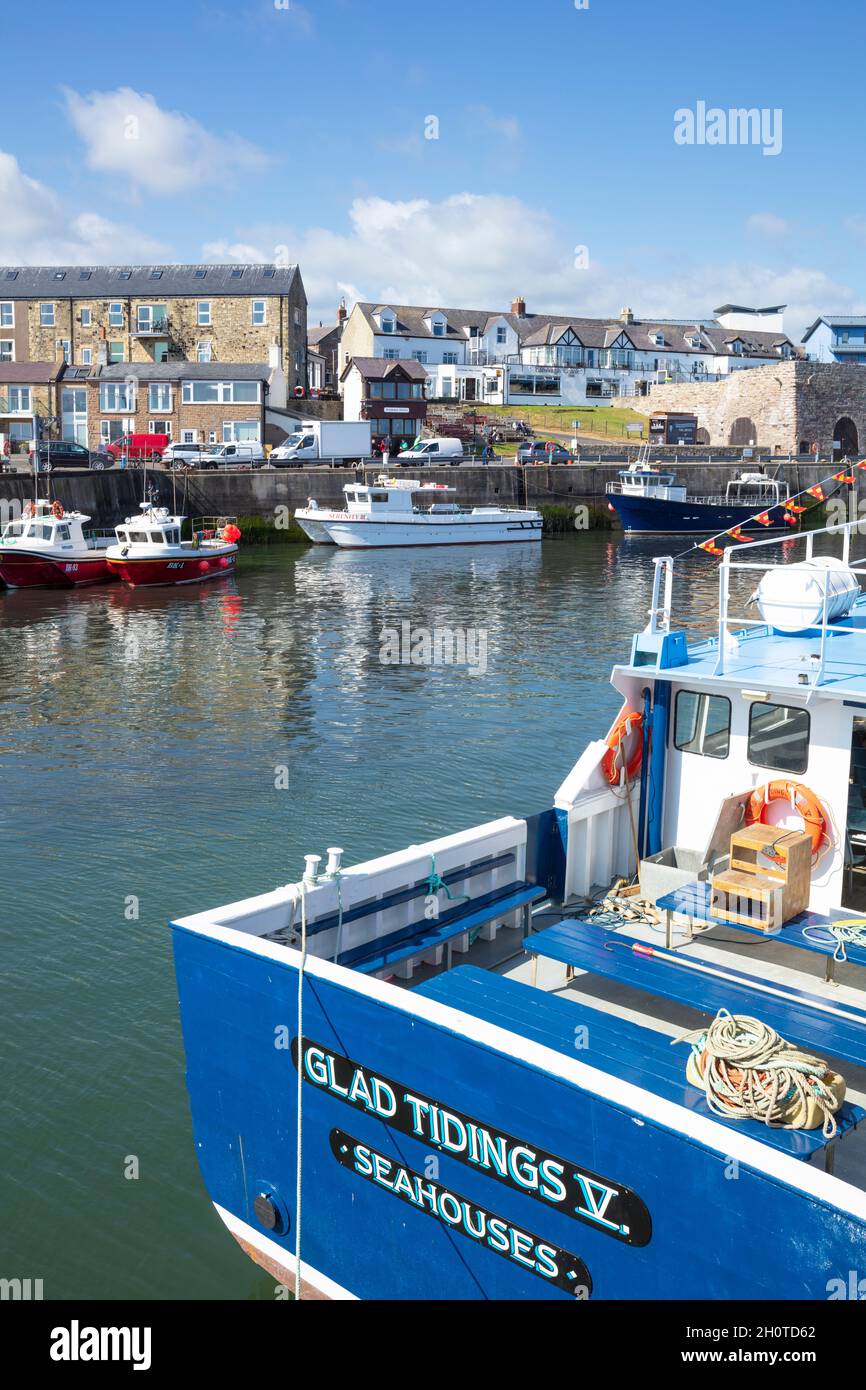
(139, 446)
(432, 451)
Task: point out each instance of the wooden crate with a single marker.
(768, 880)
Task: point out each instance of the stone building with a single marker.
(789, 407)
(92, 316)
(27, 392)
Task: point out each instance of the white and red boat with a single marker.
(149, 549)
(49, 547)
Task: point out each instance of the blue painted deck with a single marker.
(587, 947)
(693, 899)
(613, 1045)
(766, 660)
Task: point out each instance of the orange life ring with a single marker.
(801, 798)
(613, 759)
(57, 510)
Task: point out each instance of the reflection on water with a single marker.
(140, 736)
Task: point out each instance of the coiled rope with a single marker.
(850, 931)
(751, 1073)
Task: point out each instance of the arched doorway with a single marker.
(845, 437)
(743, 432)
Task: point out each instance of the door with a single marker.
(73, 414)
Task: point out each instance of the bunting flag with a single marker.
(764, 519)
(816, 491)
(710, 548)
(843, 477)
(793, 507)
(737, 533)
(862, 463)
(791, 511)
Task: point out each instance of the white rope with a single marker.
(750, 1072)
(299, 890)
(851, 931)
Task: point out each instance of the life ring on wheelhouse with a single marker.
(801, 798)
(57, 510)
(614, 759)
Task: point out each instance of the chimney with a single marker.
(518, 307)
(626, 316)
(342, 313)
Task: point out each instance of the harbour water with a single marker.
(162, 751)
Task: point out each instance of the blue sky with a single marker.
(254, 131)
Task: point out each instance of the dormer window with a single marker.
(737, 347)
(473, 330)
(387, 321)
(657, 339)
(437, 325)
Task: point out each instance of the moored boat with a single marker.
(374, 1120)
(149, 549)
(648, 500)
(405, 511)
(49, 547)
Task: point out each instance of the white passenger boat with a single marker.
(50, 548)
(404, 511)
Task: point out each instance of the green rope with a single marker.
(434, 883)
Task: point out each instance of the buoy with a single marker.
(801, 798)
(204, 566)
(57, 510)
(614, 758)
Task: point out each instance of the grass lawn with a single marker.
(603, 422)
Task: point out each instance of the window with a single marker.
(86, 357)
(221, 392)
(240, 431)
(189, 436)
(375, 390)
(204, 311)
(7, 314)
(387, 325)
(159, 396)
(378, 497)
(86, 318)
(150, 318)
(46, 315)
(259, 311)
(297, 317)
(156, 275)
(237, 274)
(63, 533)
(391, 354)
(115, 352)
(84, 274)
(18, 400)
(702, 724)
(200, 273)
(203, 350)
(779, 737)
(124, 275)
(450, 358)
(115, 315)
(64, 344)
(420, 356)
(116, 396)
(7, 350)
(159, 427)
(501, 336)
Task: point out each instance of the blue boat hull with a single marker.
(656, 514)
(572, 1184)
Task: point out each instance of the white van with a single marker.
(228, 454)
(433, 451)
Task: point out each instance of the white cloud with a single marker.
(479, 251)
(38, 229)
(767, 224)
(165, 152)
(507, 127)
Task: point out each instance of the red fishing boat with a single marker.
(49, 547)
(149, 549)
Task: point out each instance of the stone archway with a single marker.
(845, 435)
(743, 432)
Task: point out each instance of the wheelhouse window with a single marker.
(779, 737)
(702, 724)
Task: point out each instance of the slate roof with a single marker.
(28, 373)
(380, 367)
(836, 321)
(541, 329)
(187, 371)
(95, 281)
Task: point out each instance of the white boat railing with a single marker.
(661, 609)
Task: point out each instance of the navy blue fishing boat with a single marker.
(648, 500)
(441, 1074)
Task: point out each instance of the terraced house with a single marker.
(92, 316)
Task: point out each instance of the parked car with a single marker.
(62, 453)
(180, 455)
(139, 448)
(542, 451)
